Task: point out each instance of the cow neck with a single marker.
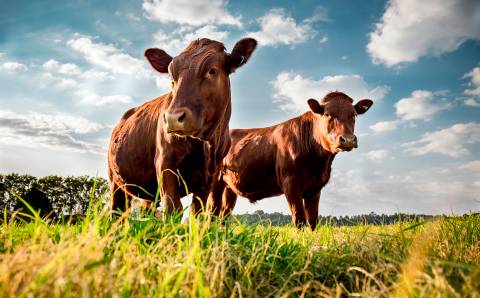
(216, 129)
(217, 138)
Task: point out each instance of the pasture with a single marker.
(125, 257)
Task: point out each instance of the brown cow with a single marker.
(292, 158)
(180, 137)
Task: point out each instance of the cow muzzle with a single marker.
(347, 143)
(179, 121)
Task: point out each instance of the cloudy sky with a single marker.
(69, 69)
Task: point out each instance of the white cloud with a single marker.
(276, 27)
(67, 83)
(474, 76)
(98, 100)
(418, 190)
(194, 13)
(173, 42)
(421, 105)
(292, 90)
(108, 57)
(129, 15)
(377, 155)
(474, 88)
(96, 75)
(319, 14)
(163, 83)
(12, 66)
(410, 29)
(384, 126)
(55, 131)
(472, 102)
(472, 166)
(54, 66)
(450, 141)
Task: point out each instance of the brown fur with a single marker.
(292, 158)
(141, 153)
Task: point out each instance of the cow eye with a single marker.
(327, 115)
(213, 71)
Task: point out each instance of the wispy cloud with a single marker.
(99, 100)
(293, 90)
(473, 88)
(13, 66)
(55, 131)
(277, 27)
(377, 155)
(450, 141)
(54, 66)
(198, 13)
(174, 41)
(473, 165)
(384, 126)
(108, 57)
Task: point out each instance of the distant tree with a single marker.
(279, 219)
(37, 200)
(65, 195)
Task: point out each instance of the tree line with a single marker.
(280, 219)
(57, 196)
(54, 195)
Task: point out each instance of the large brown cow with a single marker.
(182, 132)
(292, 158)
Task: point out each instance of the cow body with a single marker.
(173, 145)
(139, 148)
(292, 158)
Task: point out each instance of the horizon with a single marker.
(68, 71)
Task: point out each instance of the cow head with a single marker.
(336, 115)
(200, 84)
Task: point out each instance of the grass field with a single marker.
(149, 257)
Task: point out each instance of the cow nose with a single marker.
(177, 120)
(348, 141)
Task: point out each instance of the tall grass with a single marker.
(100, 256)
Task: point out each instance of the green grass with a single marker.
(123, 257)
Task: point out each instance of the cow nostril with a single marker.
(182, 117)
(342, 140)
(355, 139)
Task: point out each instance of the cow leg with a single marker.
(311, 209)
(199, 202)
(120, 200)
(215, 197)
(229, 199)
(295, 202)
(169, 192)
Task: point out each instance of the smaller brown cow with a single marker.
(292, 158)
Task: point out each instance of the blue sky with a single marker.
(69, 69)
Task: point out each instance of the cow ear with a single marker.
(240, 54)
(363, 105)
(159, 59)
(315, 106)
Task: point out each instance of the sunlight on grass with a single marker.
(99, 256)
